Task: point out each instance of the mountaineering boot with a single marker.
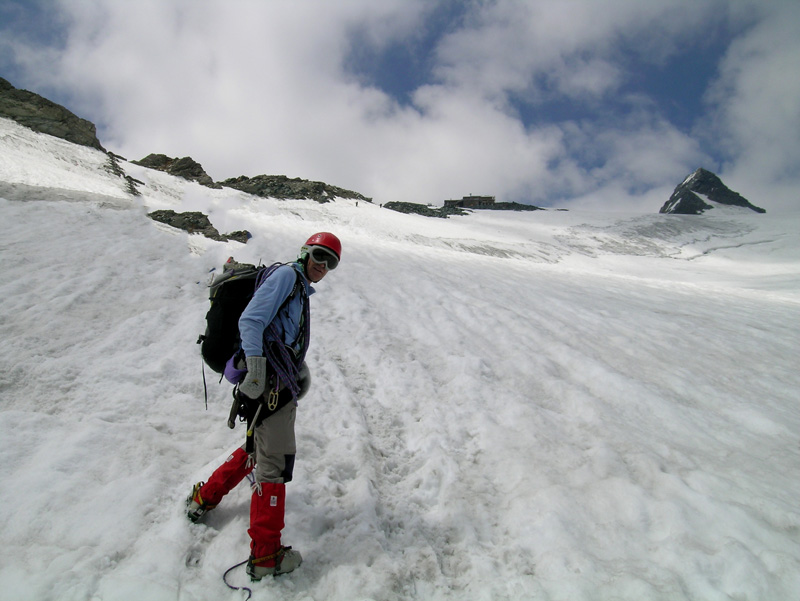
(267, 556)
(206, 496)
(287, 560)
(196, 506)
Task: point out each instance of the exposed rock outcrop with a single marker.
(112, 166)
(452, 209)
(185, 167)
(426, 211)
(514, 206)
(687, 200)
(282, 187)
(195, 222)
(45, 116)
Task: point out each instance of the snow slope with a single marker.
(548, 405)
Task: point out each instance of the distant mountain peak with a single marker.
(688, 197)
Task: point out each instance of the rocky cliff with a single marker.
(690, 196)
(45, 116)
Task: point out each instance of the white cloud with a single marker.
(573, 46)
(248, 87)
(757, 99)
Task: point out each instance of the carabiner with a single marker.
(272, 401)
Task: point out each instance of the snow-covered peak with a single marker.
(685, 200)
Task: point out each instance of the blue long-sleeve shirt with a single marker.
(265, 307)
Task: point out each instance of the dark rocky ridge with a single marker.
(185, 167)
(414, 208)
(264, 186)
(685, 199)
(447, 210)
(514, 206)
(282, 187)
(45, 116)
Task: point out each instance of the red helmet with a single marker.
(327, 240)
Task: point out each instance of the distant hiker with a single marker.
(274, 330)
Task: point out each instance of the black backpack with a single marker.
(230, 293)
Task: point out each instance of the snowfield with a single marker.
(543, 406)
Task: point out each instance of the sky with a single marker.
(602, 104)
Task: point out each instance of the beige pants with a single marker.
(275, 446)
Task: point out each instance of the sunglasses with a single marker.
(320, 254)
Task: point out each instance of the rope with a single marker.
(276, 556)
(285, 366)
(236, 588)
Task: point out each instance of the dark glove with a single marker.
(303, 380)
